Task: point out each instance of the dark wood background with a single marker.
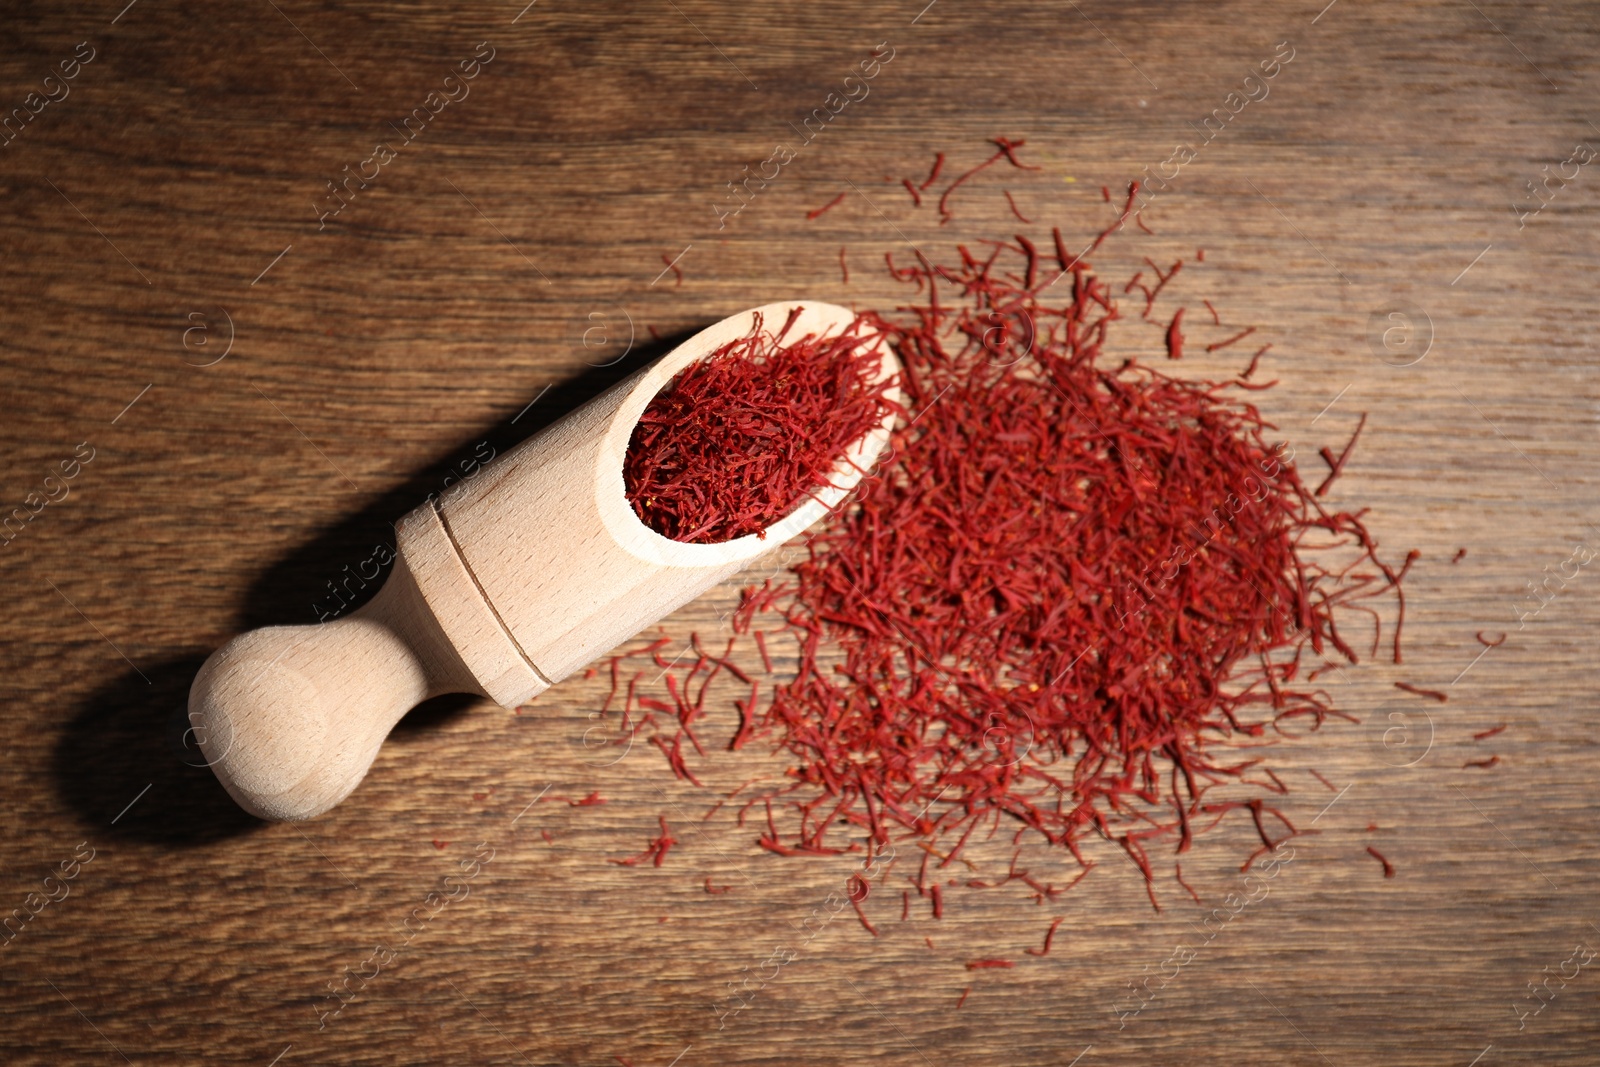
(174, 190)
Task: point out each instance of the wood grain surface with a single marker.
(264, 386)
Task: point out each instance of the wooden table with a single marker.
(248, 387)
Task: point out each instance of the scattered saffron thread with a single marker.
(1175, 337)
(1331, 787)
(1388, 868)
(830, 204)
(1020, 216)
(672, 265)
(1241, 335)
(1049, 936)
(1255, 360)
(1336, 466)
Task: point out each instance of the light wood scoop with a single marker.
(532, 571)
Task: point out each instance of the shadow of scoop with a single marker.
(129, 760)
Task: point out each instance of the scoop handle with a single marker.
(535, 568)
(291, 717)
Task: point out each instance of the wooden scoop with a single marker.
(535, 569)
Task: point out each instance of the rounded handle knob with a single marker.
(291, 717)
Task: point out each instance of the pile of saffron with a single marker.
(1080, 597)
(1078, 591)
(742, 437)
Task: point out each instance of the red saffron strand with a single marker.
(1049, 936)
(1336, 466)
(672, 265)
(916, 194)
(1177, 872)
(1331, 787)
(1485, 764)
(844, 268)
(1492, 731)
(962, 999)
(856, 904)
(1007, 151)
(1020, 216)
(1460, 554)
(1175, 337)
(742, 436)
(1241, 335)
(1485, 642)
(933, 175)
(813, 215)
(980, 965)
(1255, 361)
(1216, 320)
(1388, 868)
(656, 850)
(1433, 694)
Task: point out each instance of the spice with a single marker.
(1432, 694)
(672, 265)
(1482, 763)
(979, 965)
(1014, 211)
(1336, 466)
(965, 993)
(656, 850)
(1007, 151)
(742, 436)
(1241, 335)
(1049, 936)
(1255, 361)
(831, 203)
(1073, 586)
(1460, 554)
(586, 802)
(1174, 338)
(1388, 868)
(856, 904)
(1071, 592)
(1485, 734)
